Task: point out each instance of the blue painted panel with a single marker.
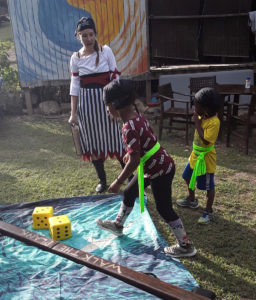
(43, 32)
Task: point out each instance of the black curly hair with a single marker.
(119, 93)
(209, 99)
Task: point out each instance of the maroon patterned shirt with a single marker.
(139, 137)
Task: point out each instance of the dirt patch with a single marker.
(251, 178)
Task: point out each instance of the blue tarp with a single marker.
(30, 273)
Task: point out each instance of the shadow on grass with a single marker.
(34, 142)
(4, 177)
(225, 252)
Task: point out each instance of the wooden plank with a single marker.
(227, 36)
(142, 281)
(148, 90)
(174, 8)
(147, 35)
(182, 30)
(200, 68)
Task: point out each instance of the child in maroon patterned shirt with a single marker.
(159, 169)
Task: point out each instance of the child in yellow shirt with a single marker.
(207, 125)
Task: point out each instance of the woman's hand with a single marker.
(114, 187)
(72, 120)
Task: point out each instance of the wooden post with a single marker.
(148, 90)
(28, 101)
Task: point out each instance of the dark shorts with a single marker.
(204, 182)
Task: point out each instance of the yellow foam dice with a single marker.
(60, 227)
(40, 217)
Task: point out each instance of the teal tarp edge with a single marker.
(30, 273)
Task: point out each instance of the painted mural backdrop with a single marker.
(43, 32)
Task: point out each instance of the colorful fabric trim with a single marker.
(114, 73)
(101, 79)
(88, 155)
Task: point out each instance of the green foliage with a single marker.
(7, 72)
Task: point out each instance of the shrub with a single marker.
(10, 80)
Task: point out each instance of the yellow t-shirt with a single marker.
(211, 127)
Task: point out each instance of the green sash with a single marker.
(200, 167)
(143, 159)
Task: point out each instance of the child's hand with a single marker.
(114, 187)
(126, 158)
(197, 119)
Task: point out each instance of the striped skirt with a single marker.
(99, 134)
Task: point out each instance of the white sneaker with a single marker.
(179, 251)
(110, 226)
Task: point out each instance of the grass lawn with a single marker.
(5, 31)
(38, 161)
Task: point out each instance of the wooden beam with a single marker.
(196, 68)
(148, 90)
(28, 101)
(142, 281)
(152, 17)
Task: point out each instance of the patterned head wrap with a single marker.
(85, 23)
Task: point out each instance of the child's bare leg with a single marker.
(190, 200)
(208, 213)
(210, 199)
(191, 193)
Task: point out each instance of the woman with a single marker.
(92, 67)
